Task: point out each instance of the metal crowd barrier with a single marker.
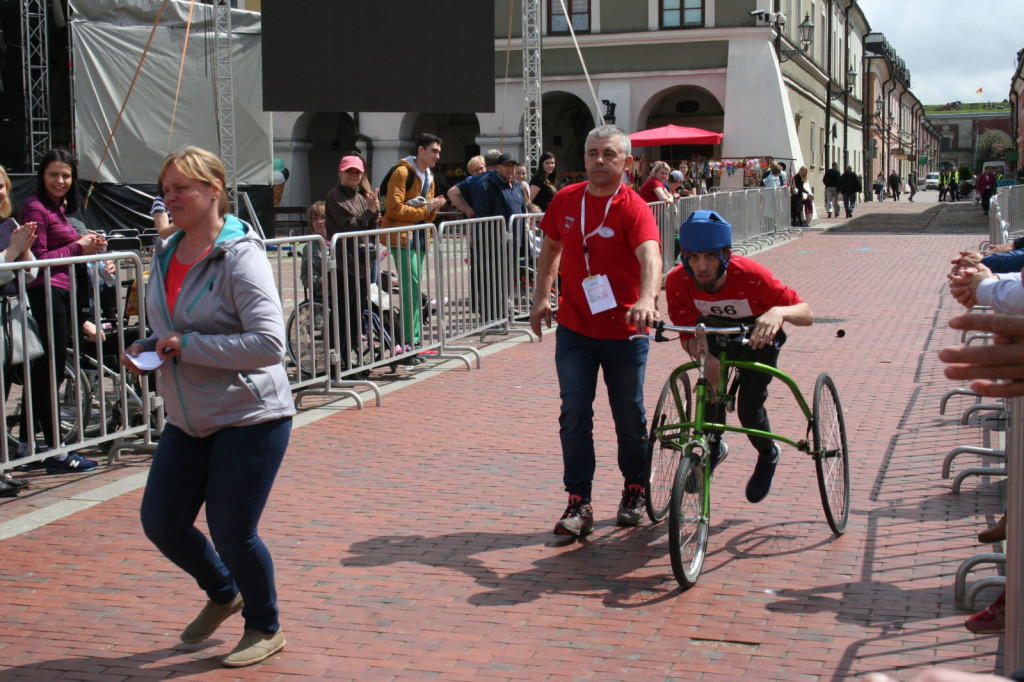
(759, 217)
(309, 356)
(479, 263)
(365, 313)
(1014, 642)
(95, 401)
(528, 238)
(1006, 214)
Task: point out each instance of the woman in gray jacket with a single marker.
(218, 328)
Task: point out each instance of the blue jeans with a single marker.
(231, 471)
(851, 203)
(623, 362)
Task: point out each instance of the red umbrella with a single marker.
(672, 134)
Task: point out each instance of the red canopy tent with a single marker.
(672, 134)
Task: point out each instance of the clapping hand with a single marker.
(21, 239)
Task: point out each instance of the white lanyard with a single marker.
(583, 222)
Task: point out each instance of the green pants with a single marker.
(409, 261)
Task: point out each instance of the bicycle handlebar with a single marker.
(699, 330)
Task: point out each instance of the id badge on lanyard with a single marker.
(597, 288)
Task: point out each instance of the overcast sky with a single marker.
(952, 47)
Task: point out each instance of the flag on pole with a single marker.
(979, 91)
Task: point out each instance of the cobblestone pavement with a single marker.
(413, 540)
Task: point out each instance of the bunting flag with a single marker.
(979, 91)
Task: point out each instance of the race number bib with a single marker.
(599, 294)
(736, 308)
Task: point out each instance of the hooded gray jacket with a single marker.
(230, 370)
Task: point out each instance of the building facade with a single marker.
(781, 79)
(899, 137)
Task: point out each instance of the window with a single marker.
(579, 11)
(814, 144)
(681, 13)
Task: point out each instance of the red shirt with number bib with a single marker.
(750, 290)
(614, 227)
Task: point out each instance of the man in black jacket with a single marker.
(850, 187)
(831, 182)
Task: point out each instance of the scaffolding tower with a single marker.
(226, 97)
(532, 118)
(35, 73)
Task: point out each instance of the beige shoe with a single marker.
(209, 619)
(255, 646)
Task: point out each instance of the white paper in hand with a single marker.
(147, 360)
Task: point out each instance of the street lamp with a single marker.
(851, 85)
(805, 33)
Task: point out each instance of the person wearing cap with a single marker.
(352, 206)
(718, 288)
(498, 193)
(601, 237)
(674, 182)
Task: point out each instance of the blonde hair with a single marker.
(199, 164)
(475, 160)
(5, 208)
(317, 209)
(658, 165)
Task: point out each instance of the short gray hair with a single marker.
(603, 132)
(491, 157)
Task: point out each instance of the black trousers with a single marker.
(753, 387)
(60, 319)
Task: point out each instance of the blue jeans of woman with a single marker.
(623, 362)
(231, 471)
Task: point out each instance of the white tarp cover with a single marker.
(108, 40)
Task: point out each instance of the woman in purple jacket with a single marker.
(55, 197)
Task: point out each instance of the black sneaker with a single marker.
(578, 519)
(8, 490)
(721, 452)
(764, 471)
(631, 508)
(6, 477)
(72, 464)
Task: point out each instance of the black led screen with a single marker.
(428, 56)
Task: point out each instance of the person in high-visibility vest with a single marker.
(954, 185)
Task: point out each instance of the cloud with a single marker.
(952, 52)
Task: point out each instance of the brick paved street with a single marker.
(414, 540)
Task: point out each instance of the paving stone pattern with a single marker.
(414, 540)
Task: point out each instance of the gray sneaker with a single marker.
(578, 519)
(631, 508)
(255, 646)
(209, 619)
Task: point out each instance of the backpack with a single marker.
(410, 178)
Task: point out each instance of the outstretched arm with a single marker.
(769, 323)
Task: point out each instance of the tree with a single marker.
(992, 145)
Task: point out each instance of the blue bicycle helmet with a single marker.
(705, 231)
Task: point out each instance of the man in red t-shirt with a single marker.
(720, 289)
(603, 240)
